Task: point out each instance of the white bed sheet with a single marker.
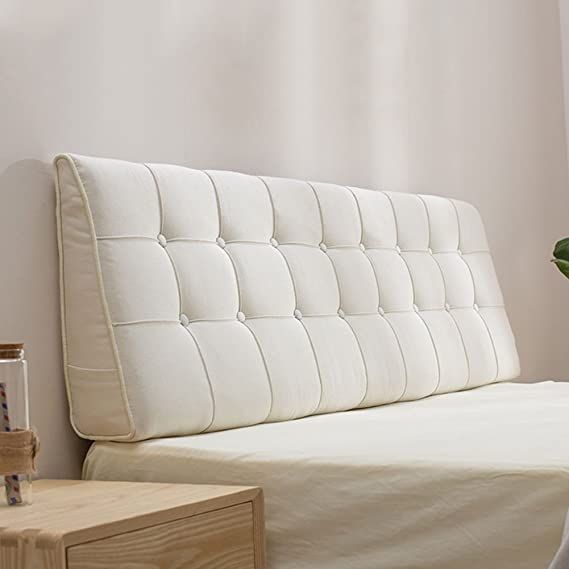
(469, 480)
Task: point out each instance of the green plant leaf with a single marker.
(561, 250)
(563, 266)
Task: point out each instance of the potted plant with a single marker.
(561, 256)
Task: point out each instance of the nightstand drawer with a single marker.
(222, 539)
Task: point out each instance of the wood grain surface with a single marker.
(92, 524)
(215, 540)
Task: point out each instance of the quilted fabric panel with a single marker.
(228, 300)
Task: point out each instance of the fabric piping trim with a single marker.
(94, 250)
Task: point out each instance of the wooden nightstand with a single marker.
(120, 525)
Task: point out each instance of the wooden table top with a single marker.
(71, 507)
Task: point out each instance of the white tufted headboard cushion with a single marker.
(196, 301)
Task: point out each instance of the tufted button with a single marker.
(447, 306)
(297, 313)
(341, 313)
(184, 320)
(397, 248)
(162, 240)
(241, 316)
(323, 247)
(381, 311)
(274, 242)
(362, 247)
(415, 308)
(430, 251)
(220, 242)
(476, 307)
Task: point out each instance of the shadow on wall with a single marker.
(28, 311)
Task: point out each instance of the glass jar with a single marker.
(17, 441)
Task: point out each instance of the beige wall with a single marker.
(564, 25)
(457, 97)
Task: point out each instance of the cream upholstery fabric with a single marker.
(196, 301)
(467, 480)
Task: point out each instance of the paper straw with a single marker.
(12, 483)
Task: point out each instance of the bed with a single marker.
(347, 350)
